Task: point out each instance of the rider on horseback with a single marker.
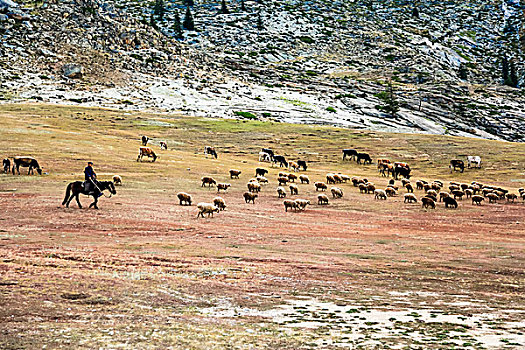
(91, 184)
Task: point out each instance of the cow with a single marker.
(163, 145)
(281, 160)
(145, 140)
(401, 170)
(7, 165)
(351, 153)
(264, 157)
(457, 163)
(474, 161)
(261, 172)
(211, 151)
(365, 157)
(269, 152)
(302, 164)
(148, 152)
(26, 162)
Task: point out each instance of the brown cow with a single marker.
(148, 152)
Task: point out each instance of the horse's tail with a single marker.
(68, 193)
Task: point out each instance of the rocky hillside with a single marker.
(439, 64)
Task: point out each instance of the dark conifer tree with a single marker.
(188, 20)
(224, 9)
(177, 29)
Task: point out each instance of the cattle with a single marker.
(219, 203)
(304, 179)
(450, 202)
(210, 151)
(281, 160)
(293, 165)
(289, 204)
(234, 174)
(382, 161)
(294, 190)
(163, 145)
(410, 197)
(206, 180)
(26, 162)
(6, 164)
(281, 192)
(207, 208)
(455, 164)
(302, 164)
(223, 186)
(336, 192)
(365, 157)
(184, 198)
(351, 153)
(264, 157)
(477, 199)
(117, 180)
(401, 170)
(269, 152)
(144, 140)
(385, 169)
(249, 197)
(474, 161)
(261, 172)
(148, 152)
(322, 199)
(320, 186)
(428, 202)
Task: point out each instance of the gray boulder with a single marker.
(73, 70)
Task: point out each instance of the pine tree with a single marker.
(224, 9)
(505, 71)
(152, 21)
(463, 71)
(415, 12)
(189, 2)
(177, 29)
(243, 7)
(513, 77)
(390, 104)
(188, 20)
(159, 9)
(260, 25)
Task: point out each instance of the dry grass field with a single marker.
(143, 272)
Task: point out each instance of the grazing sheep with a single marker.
(410, 198)
(452, 188)
(219, 203)
(477, 199)
(288, 203)
(265, 157)
(436, 186)
(450, 202)
(355, 181)
(511, 197)
(117, 180)
(184, 198)
(320, 186)
(322, 199)
(432, 193)
(338, 178)
(405, 182)
(464, 186)
(380, 194)
(292, 177)
(254, 187)
(362, 188)
(250, 197)
(493, 198)
(282, 174)
(409, 187)
(304, 179)
(207, 208)
(431, 197)
(282, 180)
(486, 191)
(458, 194)
(370, 187)
(208, 180)
(234, 174)
(223, 186)
(345, 178)
(336, 192)
(330, 179)
(281, 192)
(501, 194)
(294, 190)
(443, 195)
(261, 180)
(420, 184)
(302, 203)
(428, 202)
(261, 172)
(469, 192)
(390, 191)
(427, 187)
(293, 165)
(302, 164)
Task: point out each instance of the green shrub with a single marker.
(331, 109)
(246, 115)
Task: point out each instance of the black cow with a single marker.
(457, 163)
(365, 157)
(145, 140)
(281, 160)
(261, 172)
(401, 170)
(352, 153)
(211, 151)
(302, 164)
(7, 165)
(269, 151)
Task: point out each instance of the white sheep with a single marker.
(219, 203)
(281, 192)
(380, 194)
(302, 203)
(336, 192)
(206, 208)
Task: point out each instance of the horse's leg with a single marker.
(78, 200)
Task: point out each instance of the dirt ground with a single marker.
(144, 272)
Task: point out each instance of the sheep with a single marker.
(453, 188)
(281, 192)
(304, 179)
(320, 186)
(322, 199)
(336, 192)
(301, 203)
(254, 186)
(370, 187)
(434, 198)
(436, 186)
(292, 177)
(432, 193)
(184, 198)
(163, 145)
(355, 181)
(380, 194)
(261, 172)
(390, 191)
(223, 186)
(261, 180)
(345, 178)
(250, 197)
(405, 182)
(207, 208)
(443, 195)
(234, 173)
(288, 203)
(428, 202)
(477, 199)
(427, 187)
(464, 186)
(219, 203)
(450, 202)
(493, 198)
(500, 194)
(293, 165)
(362, 188)
(282, 174)
(469, 192)
(338, 178)
(409, 187)
(294, 190)
(117, 180)
(410, 197)
(208, 180)
(420, 184)
(458, 194)
(282, 180)
(330, 179)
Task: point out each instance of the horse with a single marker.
(7, 165)
(77, 188)
(211, 151)
(457, 163)
(352, 153)
(26, 162)
(474, 161)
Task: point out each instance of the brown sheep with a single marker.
(434, 198)
(453, 188)
(464, 186)
(322, 199)
(261, 180)
(410, 197)
(234, 174)
(477, 199)
(370, 187)
(345, 178)
(207, 208)
(355, 181)
(428, 202)
(420, 184)
(443, 195)
(380, 194)
(362, 188)
(184, 198)
(289, 204)
(292, 177)
(304, 179)
(208, 180)
(336, 192)
(254, 187)
(432, 193)
(493, 198)
(223, 186)
(390, 191)
(404, 182)
(436, 186)
(294, 190)
(330, 179)
(219, 203)
(450, 202)
(250, 197)
(117, 180)
(281, 192)
(409, 187)
(427, 187)
(282, 180)
(511, 197)
(338, 178)
(320, 186)
(458, 194)
(282, 174)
